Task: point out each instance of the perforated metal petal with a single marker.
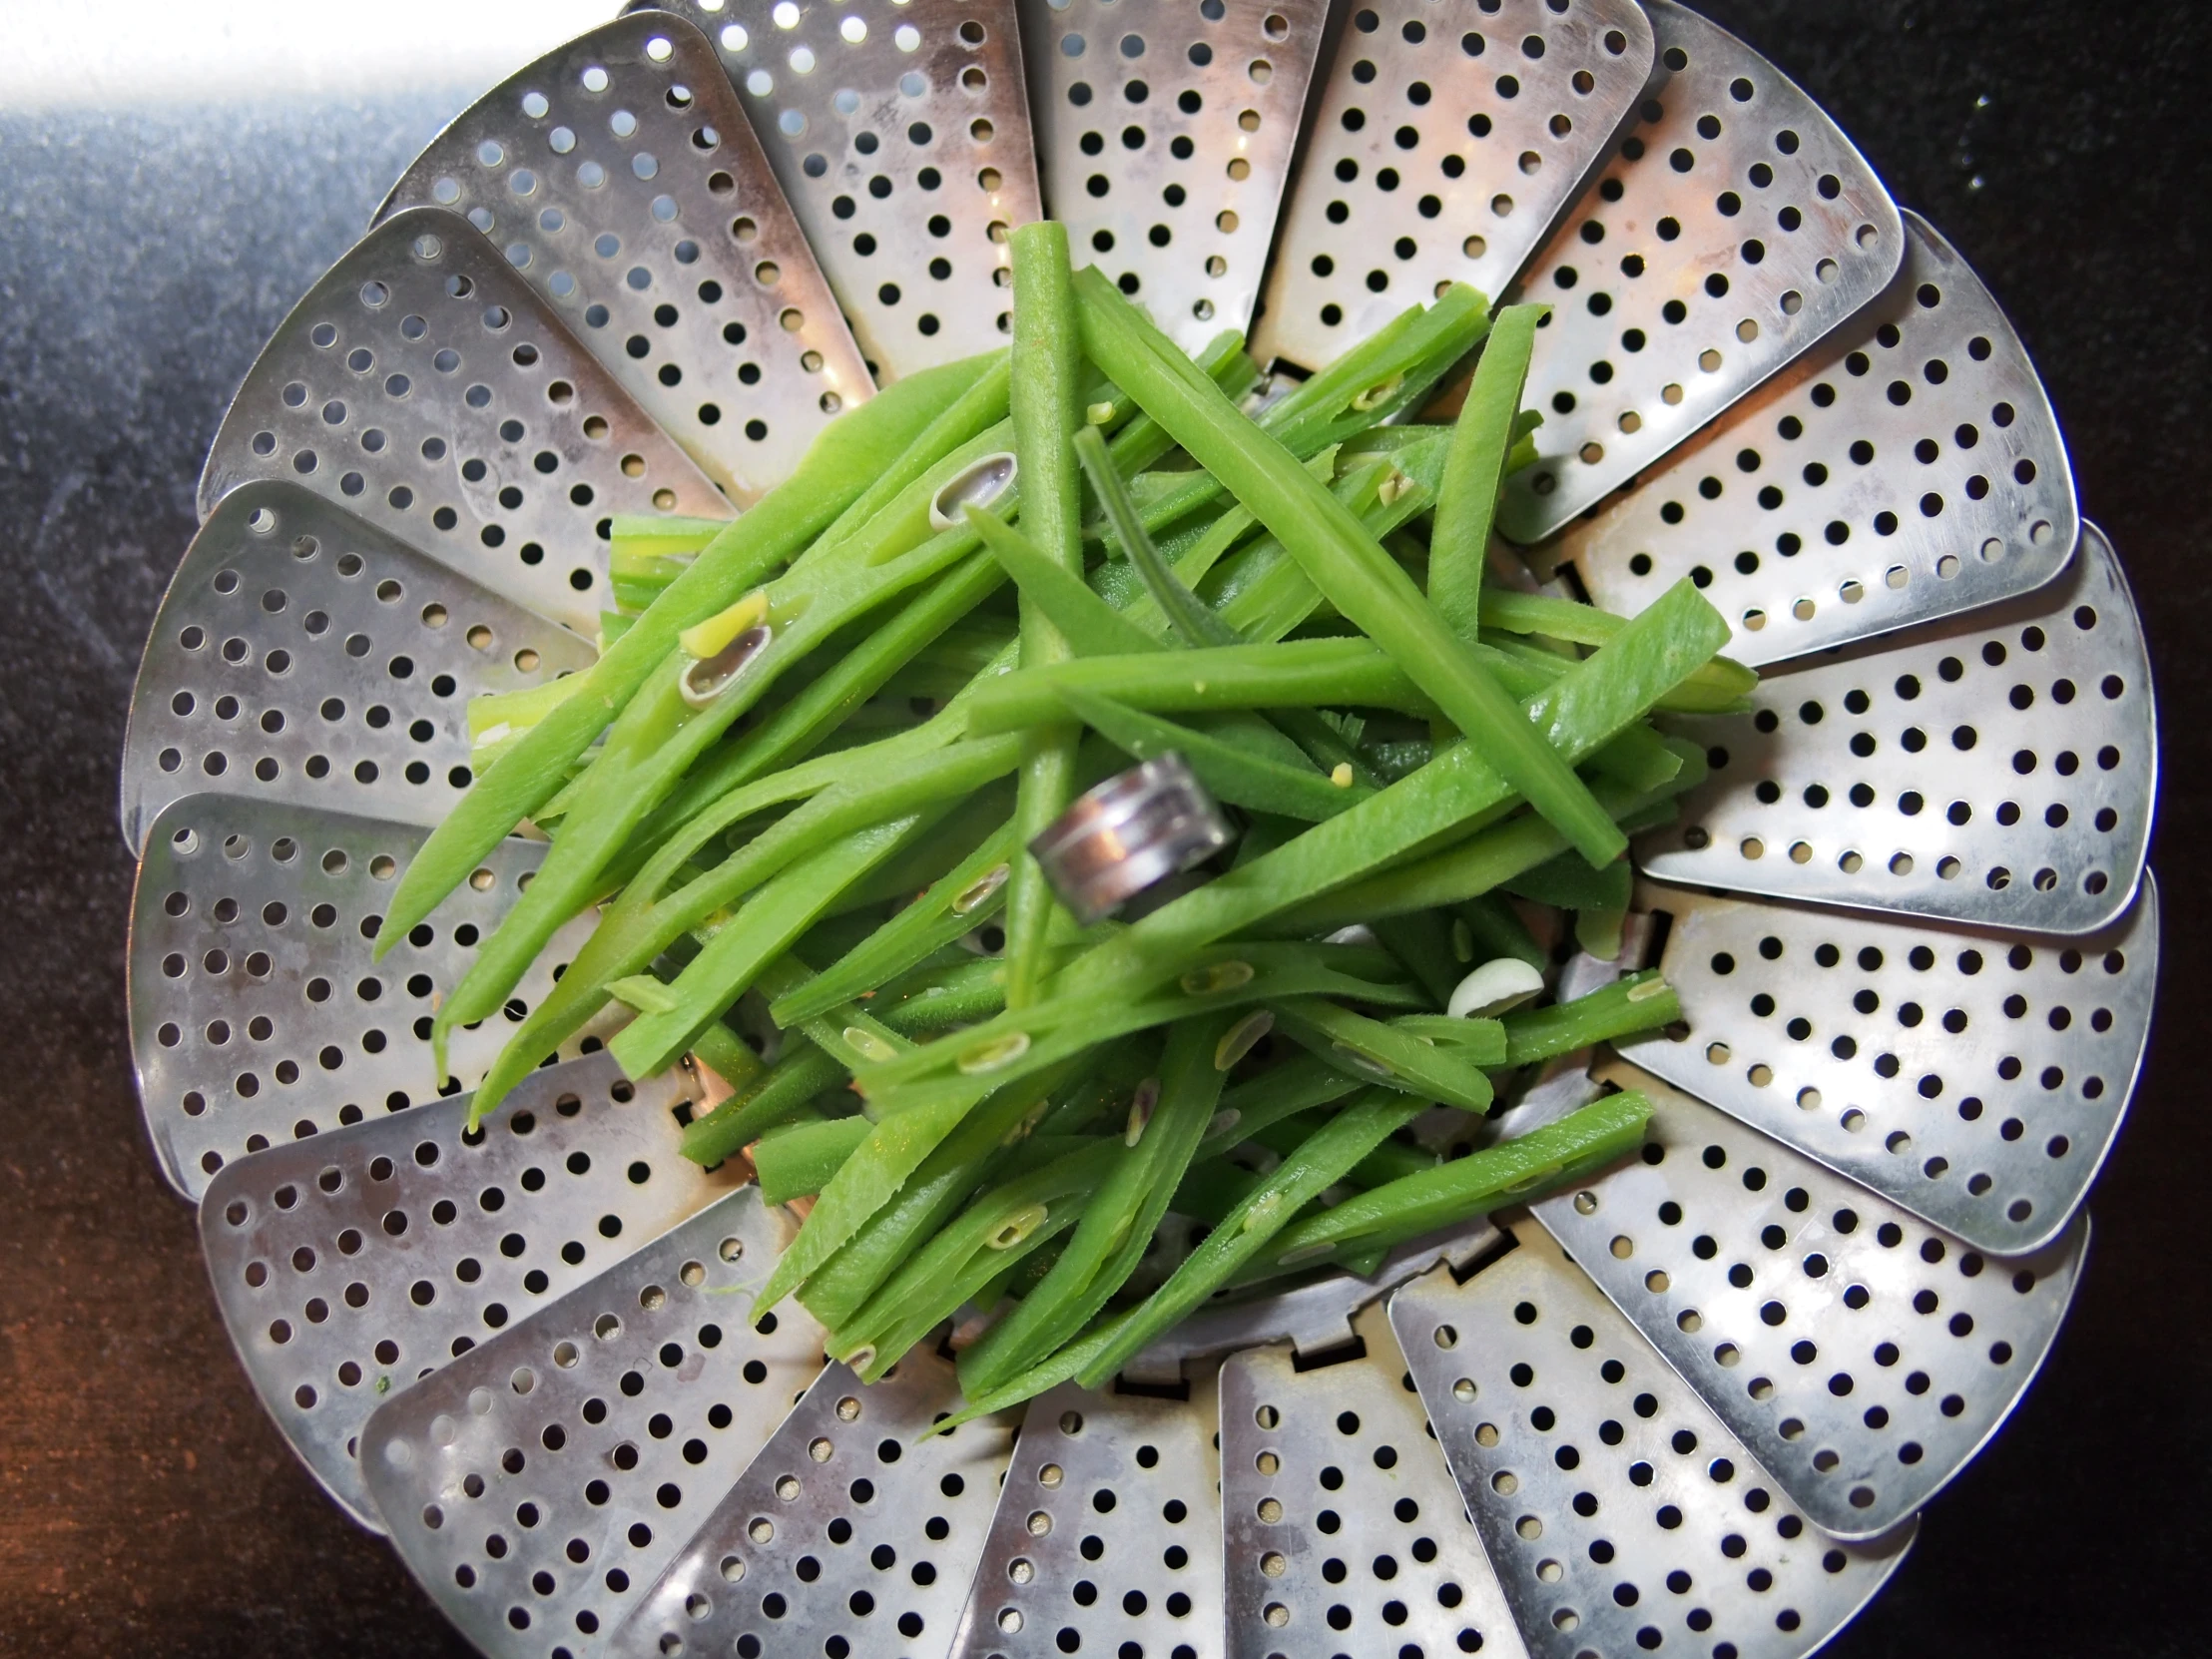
(1999, 768)
(1861, 1355)
(536, 1485)
(1344, 1530)
(350, 1264)
(844, 1527)
(1908, 467)
(1108, 1527)
(1442, 148)
(619, 176)
(424, 386)
(256, 1012)
(901, 138)
(304, 656)
(1974, 1077)
(1733, 226)
(1165, 134)
(1612, 1502)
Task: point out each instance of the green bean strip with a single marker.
(1198, 624)
(956, 904)
(1494, 929)
(839, 467)
(1635, 1002)
(1570, 885)
(1344, 561)
(723, 1052)
(1723, 679)
(1087, 624)
(775, 1097)
(659, 535)
(1346, 1138)
(1379, 1053)
(1422, 942)
(801, 1158)
(928, 1287)
(1309, 673)
(1475, 865)
(1118, 1224)
(1509, 1173)
(1233, 773)
(1038, 1379)
(1296, 1085)
(1460, 541)
(1047, 355)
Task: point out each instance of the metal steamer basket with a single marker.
(1694, 1407)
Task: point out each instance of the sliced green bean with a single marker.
(1087, 624)
(1230, 771)
(1047, 355)
(1720, 684)
(1481, 438)
(1399, 1058)
(775, 1097)
(1192, 619)
(1635, 1002)
(1494, 929)
(1509, 1173)
(801, 1158)
(1570, 885)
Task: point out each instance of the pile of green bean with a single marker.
(804, 769)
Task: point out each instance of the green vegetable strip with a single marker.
(775, 1097)
(1635, 1002)
(1193, 620)
(723, 1053)
(925, 1289)
(1296, 1085)
(1343, 561)
(1494, 928)
(1380, 1054)
(1310, 673)
(1086, 623)
(1475, 865)
(1068, 1363)
(1346, 1138)
(1460, 541)
(1118, 1224)
(850, 454)
(1230, 772)
(1570, 885)
(1720, 684)
(1438, 1197)
(1047, 356)
(802, 1157)
(958, 903)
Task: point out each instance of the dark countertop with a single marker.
(146, 1506)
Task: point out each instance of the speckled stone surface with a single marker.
(147, 1507)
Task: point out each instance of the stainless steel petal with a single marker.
(1442, 148)
(1861, 1356)
(1108, 1527)
(353, 1264)
(846, 1528)
(304, 656)
(1165, 134)
(1343, 1530)
(424, 386)
(620, 177)
(1970, 1076)
(1620, 1513)
(538, 1483)
(257, 1015)
(1733, 226)
(901, 138)
(1999, 768)
(1906, 468)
